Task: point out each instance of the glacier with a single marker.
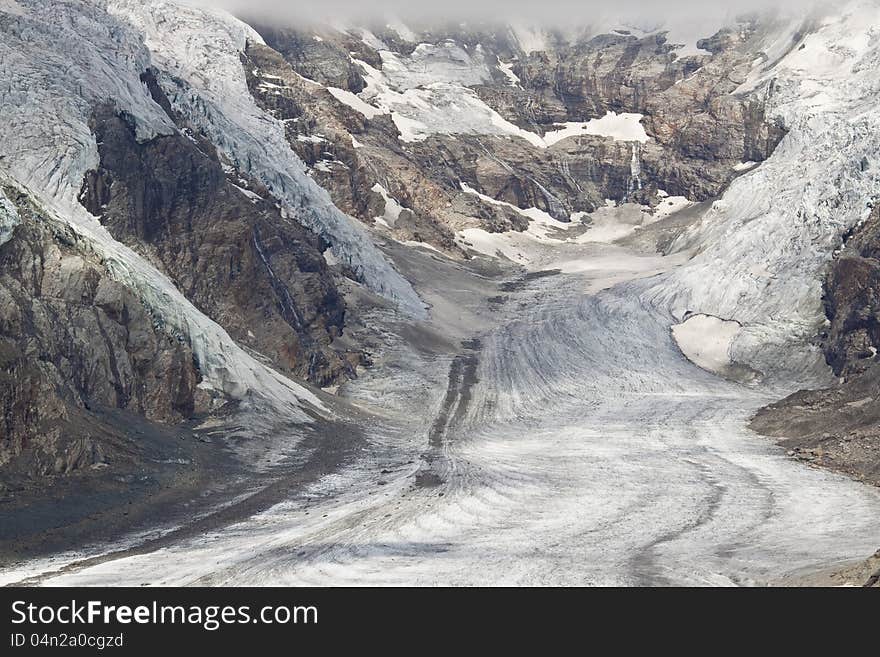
(761, 249)
(583, 447)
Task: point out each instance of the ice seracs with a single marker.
(761, 249)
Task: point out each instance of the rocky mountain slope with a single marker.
(207, 219)
(839, 426)
(191, 145)
(74, 339)
(394, 125)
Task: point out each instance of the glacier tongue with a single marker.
(198, 50)
(762, 247)
(46, 99)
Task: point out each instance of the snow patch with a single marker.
(670, 205)
(625, 126)
(410, 130)
(744, 166)
(329, 258)
(422, 245)
(541, 225)
(507, 69)
(354, 102)
(492, 244)
(705, 340)
(392, 207)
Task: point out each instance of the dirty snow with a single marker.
(705, 340)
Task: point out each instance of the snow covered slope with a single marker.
(428, 93)
(762, 247)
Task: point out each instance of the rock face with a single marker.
(852, 302)
(698, 130)
(226, 247)
(319, 129)
(72, 340)
(325, 59)
(839, 427)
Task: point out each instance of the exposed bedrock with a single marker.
(326, 59)
(852, 302)
(73, 342)
(839, 427)
(699, 129)
(224, 245)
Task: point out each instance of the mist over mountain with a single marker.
(554, 13)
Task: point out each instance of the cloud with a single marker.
(540, 12)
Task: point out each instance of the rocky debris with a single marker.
(839, 427)
(73, 341)
(224, 244)
(864, 573)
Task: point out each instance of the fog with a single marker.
(556, 13)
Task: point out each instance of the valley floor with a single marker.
(544, 430)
